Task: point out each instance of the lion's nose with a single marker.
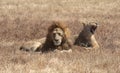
(56, 40)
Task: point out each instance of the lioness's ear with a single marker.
(83, 24)
(97, 24)
(94, 23)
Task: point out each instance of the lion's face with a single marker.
(57, 36)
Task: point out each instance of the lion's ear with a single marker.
(67, 32)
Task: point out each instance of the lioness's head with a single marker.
(90, 27)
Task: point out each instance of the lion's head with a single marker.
(86, 37)
(57, 37)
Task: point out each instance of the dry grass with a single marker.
(23, 20)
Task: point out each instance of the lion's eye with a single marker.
(60, 34)
(54, 34)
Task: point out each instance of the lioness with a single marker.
(86, 37)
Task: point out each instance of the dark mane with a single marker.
(49, 46)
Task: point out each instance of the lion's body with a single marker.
(57, 38)
(32, 45)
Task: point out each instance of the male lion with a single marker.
(86, 37)
(57, 38)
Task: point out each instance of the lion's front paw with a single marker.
(69, 51)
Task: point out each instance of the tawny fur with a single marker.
(32, 45)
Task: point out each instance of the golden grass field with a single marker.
(24, 20)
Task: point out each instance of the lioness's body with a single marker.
(86, 37)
